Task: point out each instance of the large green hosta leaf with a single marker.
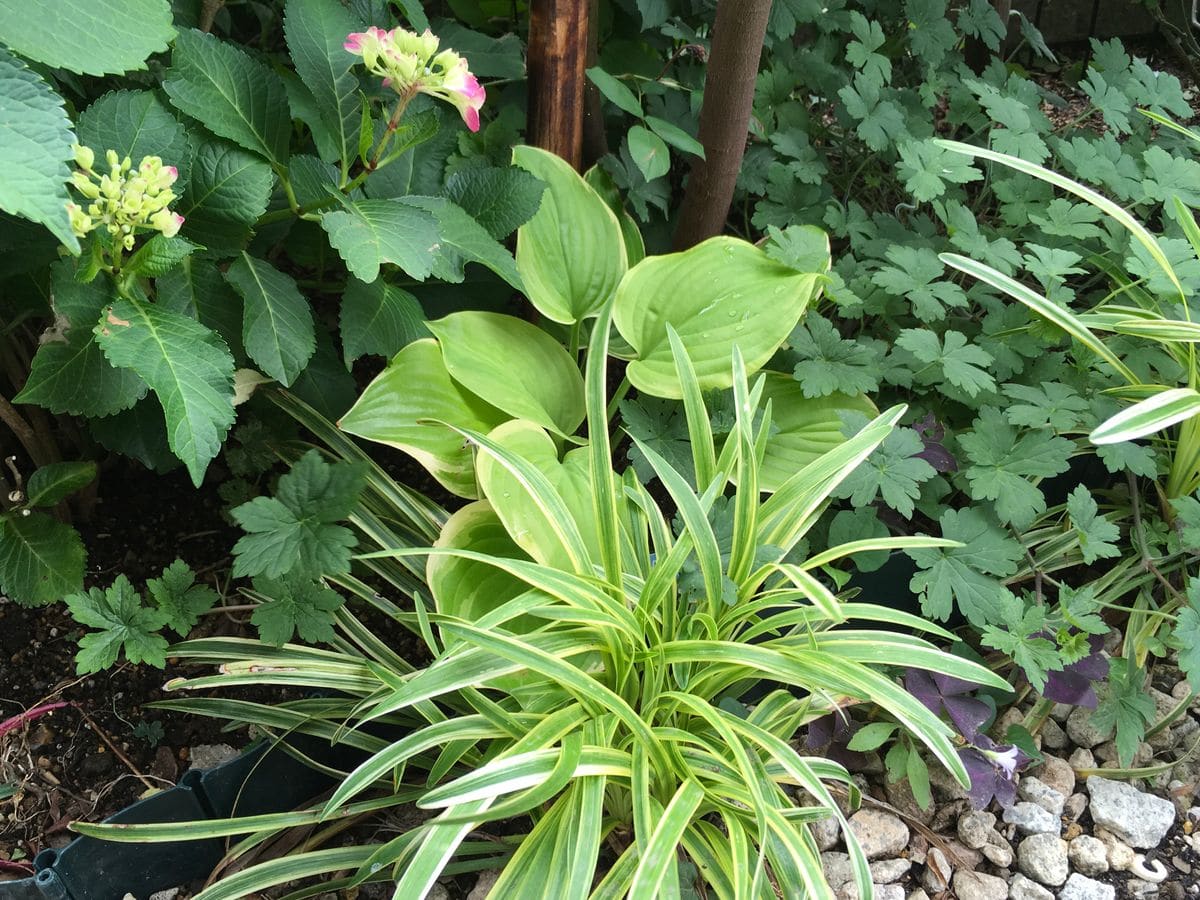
(467, 588)
(512, 502)
(187, 366)
(231, 93)
(35, 144)
(92, 37)
(514, 366)
(41, 559)
(570, 254)
(717, 294)
(803, 428)
(403, 405)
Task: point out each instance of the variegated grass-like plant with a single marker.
(588, 656)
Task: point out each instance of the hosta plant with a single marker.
(588, 655)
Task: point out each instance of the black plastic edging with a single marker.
(263, 779)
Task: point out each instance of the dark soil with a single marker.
(102, 752)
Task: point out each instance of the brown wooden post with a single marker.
(558, 46)
(737, 44)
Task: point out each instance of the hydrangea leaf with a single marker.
(231, 93)
(187, 366)
(378, 318)
(87, 37)
(228, 189)
(35, 145)
(277, 328)
(41, 559)
(369, 233)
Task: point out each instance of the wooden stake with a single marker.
(558, 46)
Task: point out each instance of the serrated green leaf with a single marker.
(160, 255)
(1051, 405)
(187, 366)
(41, 559)
(968, 575)
(124, 625)
(369, 233)
(894, 471)
(136, 124)
(1125, 706)
(962, 364)
(230, 93)
(463, 240)
(1023, 637)
(179, 599)
(1187, 635)
(35, 145)
(499, 199)
(56, 481)
(1096, 534)
(228, 190)
(197, 290)
(91, 38)
(1002, 461)
(926, 169)
(69, 373)
(315, 31)
(294, 533)
(294, 606)
(913, 275)
(378, 318)
(649, 153)
(278, 325)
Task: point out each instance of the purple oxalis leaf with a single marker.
(834, 731)
(932, 432)
(1073, 684)
(938, 693)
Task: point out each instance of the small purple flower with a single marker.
(1073, 684)
(993, 771)
(938, 693)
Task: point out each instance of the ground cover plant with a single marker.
(589, 651)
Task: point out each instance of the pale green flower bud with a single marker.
(84, 157)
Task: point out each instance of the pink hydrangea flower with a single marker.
(410, 63)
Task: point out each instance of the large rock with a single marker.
(1137, 818)
(1032, 819)
(977, 886)
(974, 826)
(1088, 855)
(1080, 887)
(889, 871)
(1056, 773)
(1043, 857)
(826, 832)
(1034, 790)
(837, 868)
(881, 834)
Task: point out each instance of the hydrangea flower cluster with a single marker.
(410, 63)
(125, 200)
